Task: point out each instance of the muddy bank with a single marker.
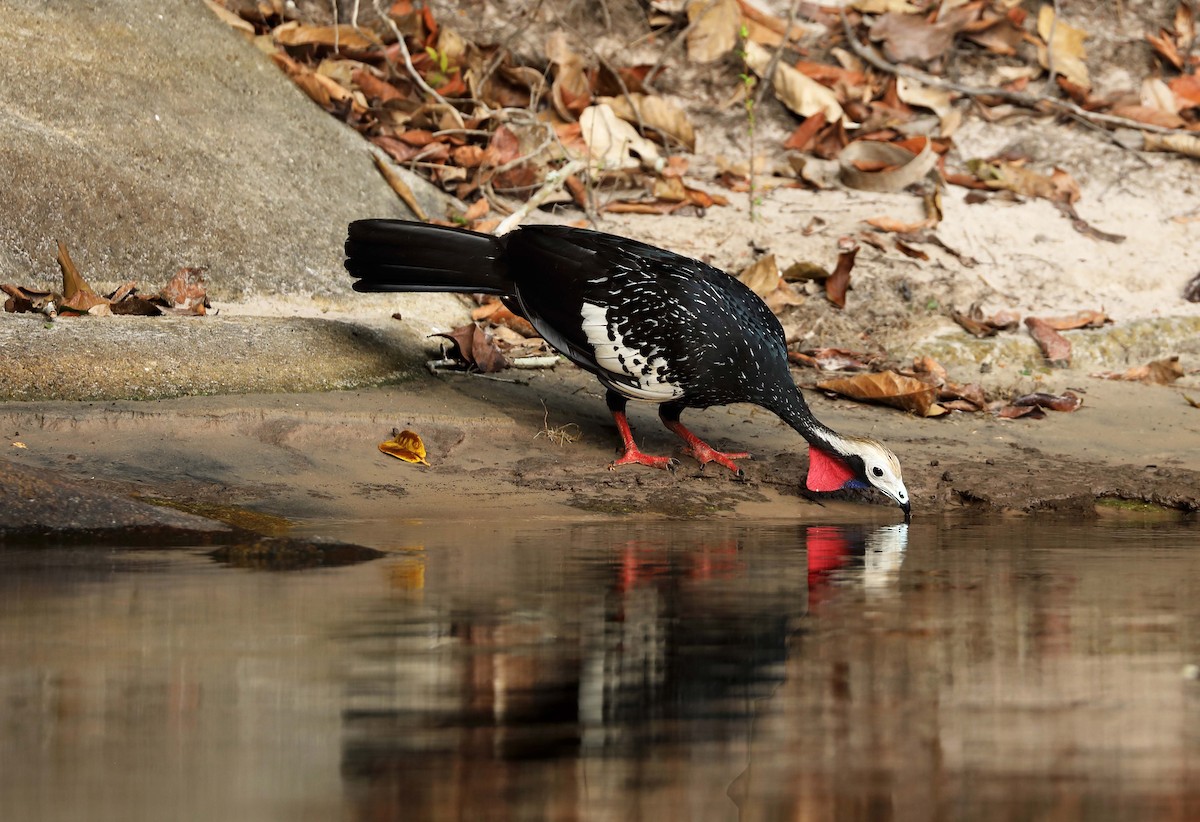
(313, 458)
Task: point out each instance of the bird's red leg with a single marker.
(701, 451)
(633, 455)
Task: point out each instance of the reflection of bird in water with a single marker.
(654, 645)
(650, 324)
(835, 549)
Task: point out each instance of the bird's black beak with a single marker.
(907, 509)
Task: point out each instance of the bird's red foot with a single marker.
(704, 453)
(633, 456)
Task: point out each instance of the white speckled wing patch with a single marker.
(647, 371)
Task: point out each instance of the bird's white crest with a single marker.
(613, 354)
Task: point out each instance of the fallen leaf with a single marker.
(185, 292)
(712, 28)
(344, 36)
(405, 445)
(1067, 47)
(1193, 403)
(839, 281)
(888, 388)
(1157, 372)
(19, 444)
(78, 296)
(909, 38)
(1012, 412)
(656, 113)
(1067, 401)
(1055, 347)
(570, 92)
(1080, 319)
(612, 142)
(796, 90)
(872, 165)
(761, 276)
(974, 321)
(497, 313)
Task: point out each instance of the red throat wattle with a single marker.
(825, 471)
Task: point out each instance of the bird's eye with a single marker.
(877, 471)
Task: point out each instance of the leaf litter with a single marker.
(486, 122)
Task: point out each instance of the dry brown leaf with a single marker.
(612, 142)
(712, 29)
(873, 165)
(839, 281)
(1066, 402)
(1067, 47)
(185, 291)
(909, 38)
(796, 90)
(1080, 319)
(761, 276)
(1012, 412)
(497, 313)
(405, 445)
(1157, 372)
(570, 93)
(78, 296)
(657, 113)
(888, 388)
(344, 36)
(1009, 176)
(1055, 347)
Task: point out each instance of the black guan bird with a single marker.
(652, 325)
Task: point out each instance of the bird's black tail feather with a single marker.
(397, 255)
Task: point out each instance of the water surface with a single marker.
(1009, 669)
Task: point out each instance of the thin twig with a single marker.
(554, 181)
(408, 63)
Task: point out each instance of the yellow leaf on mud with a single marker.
(888, 388)
(405, 445)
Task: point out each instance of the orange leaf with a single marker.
(839, 281)
(405, 445)
(77, 294)
(888, 388)
(1055, 347)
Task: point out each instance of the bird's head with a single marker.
(857, 463)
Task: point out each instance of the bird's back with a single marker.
(654, 324)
